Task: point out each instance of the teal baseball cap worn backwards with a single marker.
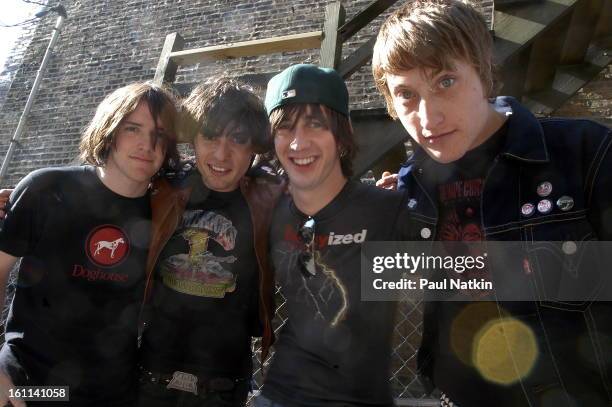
(305, 83)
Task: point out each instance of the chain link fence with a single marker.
(407, 337)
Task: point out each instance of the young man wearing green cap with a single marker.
(334, 350)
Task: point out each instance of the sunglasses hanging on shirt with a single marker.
(306, 259)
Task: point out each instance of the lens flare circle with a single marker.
(505, 350)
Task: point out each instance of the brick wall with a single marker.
(13, 63)
(108, 43)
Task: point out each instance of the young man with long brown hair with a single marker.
(82, 234)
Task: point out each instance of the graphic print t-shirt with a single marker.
(459, 193)
(334, 349)
(204, 305)
(73, 320)
(459, 203)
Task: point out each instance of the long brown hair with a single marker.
(99, 136)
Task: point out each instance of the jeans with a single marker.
(157, 395)
(263, 401)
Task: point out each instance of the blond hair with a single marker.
(431, 34)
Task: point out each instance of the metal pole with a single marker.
(26, 111)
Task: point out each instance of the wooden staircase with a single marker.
(546, 51)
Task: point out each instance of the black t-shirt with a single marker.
(73, 320)
(457, 324)
(459, 196)
(205, 303)
(334, 349)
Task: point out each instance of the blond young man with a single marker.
(82, 234)
(487, 169)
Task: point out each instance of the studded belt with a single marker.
(446, 402)
(184, 381)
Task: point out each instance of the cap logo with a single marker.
(288, 94)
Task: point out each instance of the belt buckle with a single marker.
(184, 381)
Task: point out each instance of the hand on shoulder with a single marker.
(4, 197)
(387, 181)
(5, 385)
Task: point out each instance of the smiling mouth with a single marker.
(303, 161)
(218, 170)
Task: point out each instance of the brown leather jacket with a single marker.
(168, 204)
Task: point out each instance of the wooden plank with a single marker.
(286, 43)
(564, 2)
(166, 68)
(512, 33)
(581, 30)
(375, 137)
(363, 18)
(603, 28)
(545, 55)
(357, 59)
(517, 26)
(513, 73)
(259, 82)
(331, 47)
(499, 4)
(568, 80)
(544, 102)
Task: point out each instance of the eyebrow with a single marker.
(402, 86)
(158, 128)
(319, 117)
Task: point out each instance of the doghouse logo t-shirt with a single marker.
(107, 246)
(74, 317)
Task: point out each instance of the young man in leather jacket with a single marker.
(209, 285)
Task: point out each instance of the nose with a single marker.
(430, 115)
(222, 149)
(146, 141)
(300, 140)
